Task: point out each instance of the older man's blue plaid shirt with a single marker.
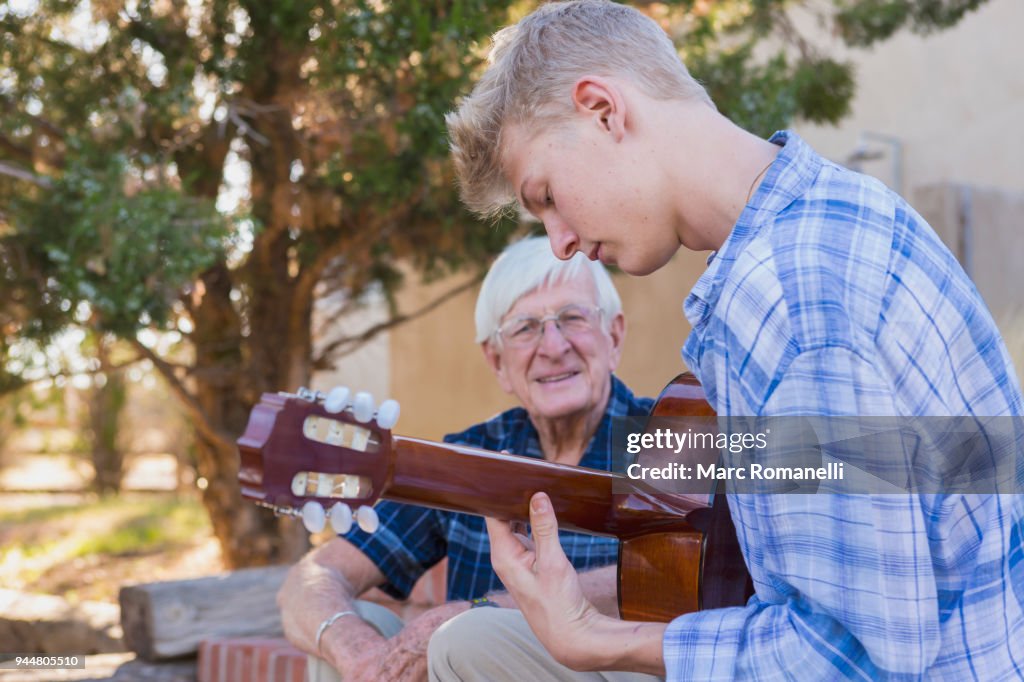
(411, 539)
(833, 297)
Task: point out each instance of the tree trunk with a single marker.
(269, 349)
(105, 407)
(248, 535)
(227, 385)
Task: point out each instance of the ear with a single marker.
(601, 100)
(494, 361)
(617, 332)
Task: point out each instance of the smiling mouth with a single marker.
(556, 378)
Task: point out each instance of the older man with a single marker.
(552, 332)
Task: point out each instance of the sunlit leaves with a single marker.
(125, 247)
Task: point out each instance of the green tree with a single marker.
(120, 119)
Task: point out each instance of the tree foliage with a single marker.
(764, 71)
(204, 168)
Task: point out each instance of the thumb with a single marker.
(544, 527)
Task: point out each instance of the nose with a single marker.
(552, 340)
(564, 242)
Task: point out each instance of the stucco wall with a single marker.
(983, 229)
(952, 104)
(955, 100)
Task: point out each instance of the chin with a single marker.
(645, 265)
(636, 271)
(560, 409)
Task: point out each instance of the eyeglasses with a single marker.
(526, 330)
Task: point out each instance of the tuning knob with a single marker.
(299, 482)
(387, 415)
(338, 399)
(362, 410)
(313, 516)
(341, 518)
(368, 519)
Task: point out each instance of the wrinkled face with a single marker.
(594, 194)
(562, 375)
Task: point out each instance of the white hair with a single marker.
(528, 265)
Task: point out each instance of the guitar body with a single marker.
(664, 575)
(677, 554)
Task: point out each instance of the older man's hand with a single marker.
(404, 656)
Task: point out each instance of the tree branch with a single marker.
(51, 128)
(349, 344)
(235, 113)
(198, 417)
(13, 171)
(9, 106)
(19, 150)
(790, 34)
(5, 390)
(386, 224)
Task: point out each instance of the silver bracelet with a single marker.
(328, 622)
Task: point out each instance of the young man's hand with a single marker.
(548, 591)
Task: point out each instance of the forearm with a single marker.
(614, 644)
(325, 592)
(347, 639)
(325, 582)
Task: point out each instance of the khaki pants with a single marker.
(496, 645)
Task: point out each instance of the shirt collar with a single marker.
(787, 178)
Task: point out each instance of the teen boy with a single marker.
(826, 295)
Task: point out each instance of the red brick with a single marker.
(250, 659)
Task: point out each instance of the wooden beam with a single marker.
(165, 620)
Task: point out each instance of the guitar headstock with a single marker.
(318, 456)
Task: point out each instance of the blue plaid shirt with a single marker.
(411, 539)
(831, 296)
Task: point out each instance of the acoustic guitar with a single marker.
(677, 554)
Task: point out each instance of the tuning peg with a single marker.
(341, 518)
(368, 519)
(337, 400)
(387, 414)
(313, 516)
(362, 410)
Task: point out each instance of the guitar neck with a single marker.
(467, 479)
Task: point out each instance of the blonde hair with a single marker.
(533, 67)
